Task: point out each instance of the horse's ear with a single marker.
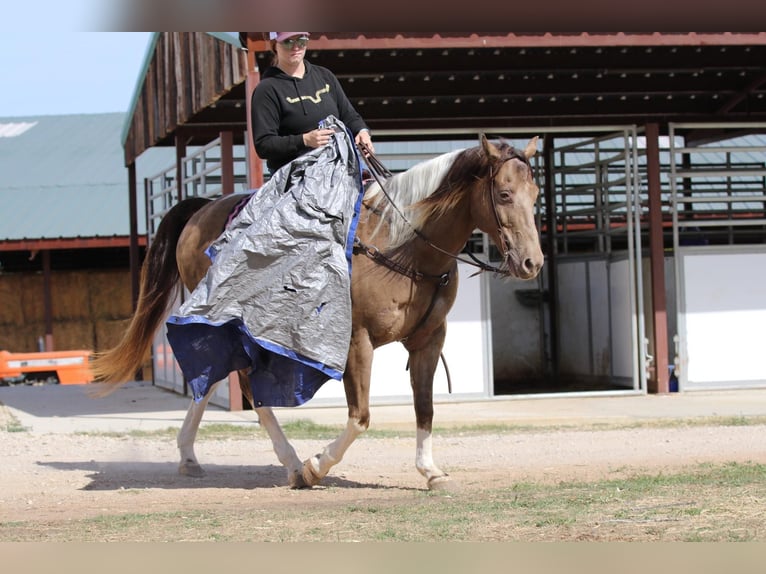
(489, 148)
(531, 149)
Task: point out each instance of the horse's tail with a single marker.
(159, 285)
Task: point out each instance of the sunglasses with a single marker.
(290, 43)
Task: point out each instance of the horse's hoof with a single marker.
(190, 468)
(310, 474)
(439, 483)
(295, 480)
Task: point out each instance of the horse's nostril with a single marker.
(530, 266)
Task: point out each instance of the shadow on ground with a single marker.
(118, 475)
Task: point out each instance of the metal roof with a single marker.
(547, 79)
(425, 81)
(64, 177)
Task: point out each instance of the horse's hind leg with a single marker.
(423, 364)
(188, 433)
(283, 449)
(356, 381)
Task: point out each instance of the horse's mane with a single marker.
(429, 188)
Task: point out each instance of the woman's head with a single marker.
(288, 46)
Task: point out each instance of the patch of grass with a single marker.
(8, 422)
(712, 503)
(309, 430)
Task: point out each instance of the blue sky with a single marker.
(46, 72)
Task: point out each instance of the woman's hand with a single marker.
(317, 138)
(363, 138)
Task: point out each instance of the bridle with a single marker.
(381, 173)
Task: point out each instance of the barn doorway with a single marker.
(579, 328)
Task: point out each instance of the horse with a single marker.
(410, 233)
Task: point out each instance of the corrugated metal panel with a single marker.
(64, 177)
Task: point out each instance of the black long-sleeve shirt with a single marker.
(284, 108)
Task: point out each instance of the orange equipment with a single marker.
(71, 367)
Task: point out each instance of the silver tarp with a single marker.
(281, 272)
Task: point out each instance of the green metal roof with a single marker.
(64, 177)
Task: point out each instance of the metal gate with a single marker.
(587, 307)
(719, 231)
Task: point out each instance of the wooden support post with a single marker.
(227, 163)
(135, 260)
(659, 380)
(47, 300)
(254, 163)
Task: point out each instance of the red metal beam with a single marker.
(340, 41)
(54, 244)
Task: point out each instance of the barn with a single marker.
(651, 163)
(64, 231)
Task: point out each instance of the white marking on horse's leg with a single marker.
(188, 433)
(282, 447)
(424, 460)
(317, 467)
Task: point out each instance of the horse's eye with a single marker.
(506, 195)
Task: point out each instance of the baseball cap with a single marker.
(281, 36)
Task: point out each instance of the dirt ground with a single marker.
(66, 486)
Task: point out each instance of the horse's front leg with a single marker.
(423, 363)
(188, 433)
(356, 381)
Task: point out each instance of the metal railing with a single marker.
(202, 176)
(718, 190)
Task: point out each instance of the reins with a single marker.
(381, 173)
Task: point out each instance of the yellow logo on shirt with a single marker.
(316, 98)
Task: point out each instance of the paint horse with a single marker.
(404, 282)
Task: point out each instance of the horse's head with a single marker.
(507, 207)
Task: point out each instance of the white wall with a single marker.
(722, 317)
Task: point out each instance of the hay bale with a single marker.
(73, 335)
(23, 339)
(109, 333)
(110, 295)
(11, 311)
(70, 298)
(32, 297)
